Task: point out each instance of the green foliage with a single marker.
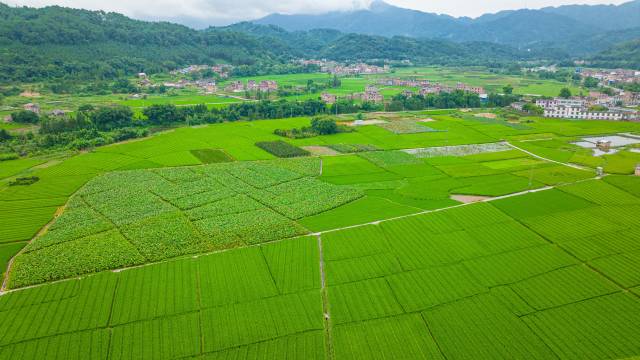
(107, 118)
(25, 117)
(565, 93)
(353, 148)
(212, 156)
(324, 126)
(281, 149)
(24, 181)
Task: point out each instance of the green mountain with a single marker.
(56, 42)
(520, 28)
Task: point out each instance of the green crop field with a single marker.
(456, 238)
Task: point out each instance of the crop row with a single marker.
(149, 215)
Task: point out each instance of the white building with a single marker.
(578, 109)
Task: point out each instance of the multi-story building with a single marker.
(578, 109)
(556, 102)
(268, 85)
(235, 86)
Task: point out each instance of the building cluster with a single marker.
(358, 69)
(35, 108)
(404, 82)
(619, 98)
(207, 86)
(611, 77)
(428, 87)
(336, 68)
(370, 94)
(581, 108)
(222, 70)
(252, 85)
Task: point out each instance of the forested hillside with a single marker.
(59, 42)
(626, 55)
(56, 42)
(62, 43)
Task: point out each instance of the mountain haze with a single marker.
(520, 28)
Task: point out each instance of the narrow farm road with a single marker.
(546, 159)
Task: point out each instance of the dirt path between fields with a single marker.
(549, 160)
(326, 315)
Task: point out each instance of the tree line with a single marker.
(91, 126)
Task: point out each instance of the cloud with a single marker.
(202, 13)
(214, 11)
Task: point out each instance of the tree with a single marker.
(591, 82)
(508, 89)
(324, 126)
(25, 117)
(533, 109)
(565, 93)
(112, 117)
(4, 135)
(123, 86)
(336, 81)
(598, 108)
(162, 114)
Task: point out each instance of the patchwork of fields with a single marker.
(219, 250)
(510, 278)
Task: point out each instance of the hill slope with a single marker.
(519, 28)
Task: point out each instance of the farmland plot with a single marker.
(133, 217)
(469, 327)
(548, 275)
(600, 328)
(401, 337)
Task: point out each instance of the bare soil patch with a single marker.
(30, 94)
(486, 115)
(469, 198)
(320, 150)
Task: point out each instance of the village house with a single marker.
(518, 105)
(371, 88)
(268, 86)
(32, 107)
(408, 93)
(252, 85)
(222, 70)
(556, 102)
(474, 89)
(328, 98)
(603, 145)
(57, 112)
(142, 75)
(7, 119)
(234, 86)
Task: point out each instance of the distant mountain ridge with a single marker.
(520, 28)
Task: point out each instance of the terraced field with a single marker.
(155, 252)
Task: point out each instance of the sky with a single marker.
(201, 13)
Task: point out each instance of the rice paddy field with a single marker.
(459, 237)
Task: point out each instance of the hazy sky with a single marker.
(221, 12)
